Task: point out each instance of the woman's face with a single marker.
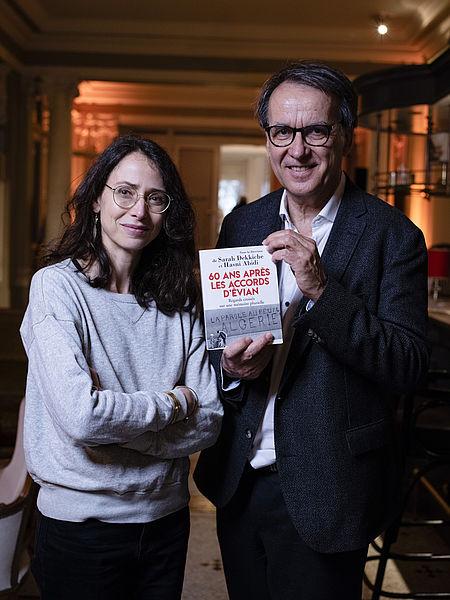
(126, 231)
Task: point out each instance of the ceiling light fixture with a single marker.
(380, 24)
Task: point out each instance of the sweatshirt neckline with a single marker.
(116, 296)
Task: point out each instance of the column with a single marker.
(60, 93)
(4, 204)
(19, 183)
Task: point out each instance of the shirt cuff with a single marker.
(228, 383)
(309, 305)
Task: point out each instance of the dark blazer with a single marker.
(363, 340)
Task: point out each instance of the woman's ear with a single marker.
(96, 206)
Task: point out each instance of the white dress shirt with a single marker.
(263, 449)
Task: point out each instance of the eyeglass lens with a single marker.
(314, 135)
(126, 197)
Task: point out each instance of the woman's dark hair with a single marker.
(166, 269)
(316, 75)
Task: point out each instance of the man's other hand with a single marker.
(247, 358)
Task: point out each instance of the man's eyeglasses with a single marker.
(317, 134)
(126, 197)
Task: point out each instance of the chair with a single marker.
(426, 448)
(17, 496)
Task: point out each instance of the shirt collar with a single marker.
(328, 212)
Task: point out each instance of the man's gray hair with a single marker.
(328, 80)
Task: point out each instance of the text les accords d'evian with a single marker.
(237, 283)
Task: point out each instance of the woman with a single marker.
(119, 389)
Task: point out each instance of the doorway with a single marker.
(244, 176)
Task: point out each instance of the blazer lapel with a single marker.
(346, 232)
(269, 219)
(344, 236)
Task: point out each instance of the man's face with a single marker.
(308, 173)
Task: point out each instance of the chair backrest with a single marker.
(10, 526)
(14, 534)
(14, 475)
(17, 496)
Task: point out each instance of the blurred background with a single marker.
(185, 73)
(74, 75)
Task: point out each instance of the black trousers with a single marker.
(94, 560)
(264, 558)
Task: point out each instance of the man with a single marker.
(305, 471)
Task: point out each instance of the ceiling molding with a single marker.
(103, 93)
(56, 49)
(25, 17)
(204, 18)
(189, 123)
(45, 34)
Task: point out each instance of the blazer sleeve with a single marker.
(386, 342)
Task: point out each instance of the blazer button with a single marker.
(248, 433)
(310, 332)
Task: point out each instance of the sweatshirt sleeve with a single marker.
(58, 368)
(203, 428)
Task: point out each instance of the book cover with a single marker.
(240, 295)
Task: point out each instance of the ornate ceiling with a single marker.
(221, 40)
(197, 65)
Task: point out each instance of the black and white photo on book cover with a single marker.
(240, 295)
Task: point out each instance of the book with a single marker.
(240, 295)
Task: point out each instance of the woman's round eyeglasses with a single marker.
(317, 134)
(126, 197)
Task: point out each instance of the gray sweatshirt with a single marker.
(108, 451)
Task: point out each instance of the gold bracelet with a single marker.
(195, 406)
(176, 406)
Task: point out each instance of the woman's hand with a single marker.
(191, 399)
(95, 379)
